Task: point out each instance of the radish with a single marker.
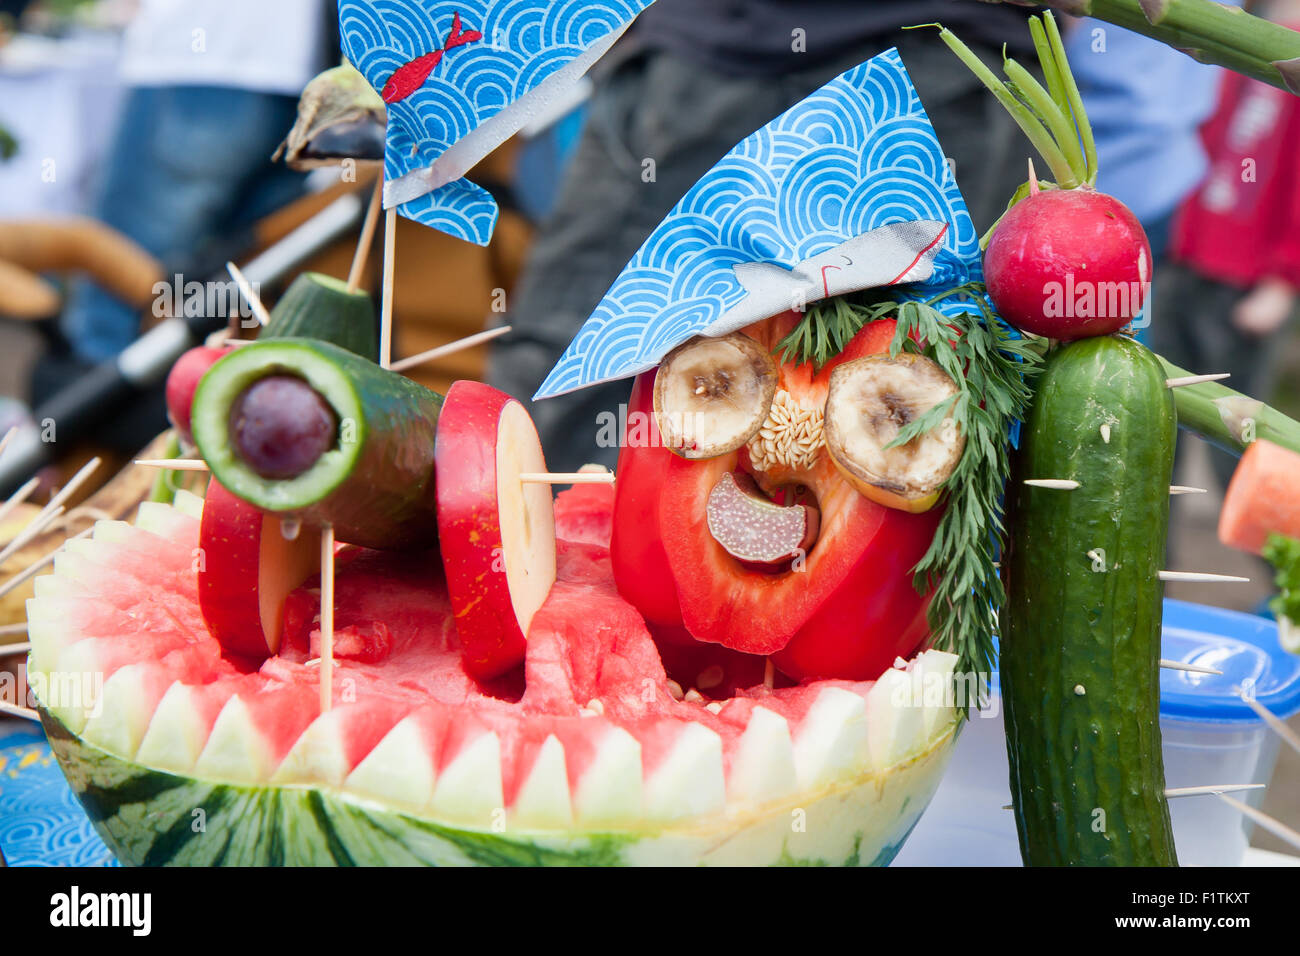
(183, 380)
(1065, 261)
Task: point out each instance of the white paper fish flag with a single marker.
(847, 190)
(459, 79)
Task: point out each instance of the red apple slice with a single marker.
(496, 533)
(246, 569)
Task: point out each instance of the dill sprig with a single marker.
(993, 368)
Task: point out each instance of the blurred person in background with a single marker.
(1228, 295)
(690, 80)
(212, 88)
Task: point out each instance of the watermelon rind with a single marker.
(151, 817)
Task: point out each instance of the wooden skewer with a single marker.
(1270, 718)
(33, 569)
(1275, 827)
(1193, 668)
(8, 650)
(367, 236)
(18, 497)
(9, 436)
(250, 296)
(16, 711)
(14, 628)
(568, 477)
(386, 300)
(1057, 484)
(1217, 789)
(51, 511)
(326, 617)
(1202, 576)
(174, 464)
(1196, 379)
(1186, 490)
(769, 674)
(468, 342)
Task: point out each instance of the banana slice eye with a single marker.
(712, 395)
(870, 400)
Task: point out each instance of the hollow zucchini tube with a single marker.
(375, 485)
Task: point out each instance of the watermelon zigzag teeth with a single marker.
(470, 770)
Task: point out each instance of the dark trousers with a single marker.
(656, 107)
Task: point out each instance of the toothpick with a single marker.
(1185, 490)
(9, 435)
(326, 617)
(13, 628)
(1216, 789)
(1275, 827)
(1203, 577)
(174, 464)
(18, 497)
(33, 569)
(1057, 484)
(1270, 718)
(386, 301)
(1193, 668)
(568, 477)
(468, 342)
(367, 236)
(16, 711)
(50, 511)
(769, 674)
(250, 296)
(8, 650)
(1196, 379)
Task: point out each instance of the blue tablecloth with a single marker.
(41, 822)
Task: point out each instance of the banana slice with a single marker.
(712, 395)
(869, 402)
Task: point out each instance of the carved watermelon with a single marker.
(181, 755)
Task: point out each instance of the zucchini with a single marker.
(375, 485)
(318, 306)
(1080, 643)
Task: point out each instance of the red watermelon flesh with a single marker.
(593, 678)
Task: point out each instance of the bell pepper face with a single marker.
(843, 607)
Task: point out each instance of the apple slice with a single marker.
(246, 569)
(497, 534)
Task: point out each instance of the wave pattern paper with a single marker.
(459, 79)
(848, 189)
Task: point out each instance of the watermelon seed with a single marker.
(693, 695)
(713, 707)
(710, 677)
(675, 689)
(596, 706)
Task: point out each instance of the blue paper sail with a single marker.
(460, 78)
(847, 190)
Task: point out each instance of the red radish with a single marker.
(1068, 263)
(1261, 498)
(183, 379)
(1065, 262)
(497, 534)
(246, 570)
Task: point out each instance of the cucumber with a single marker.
(375, 485)
(318, 306)
(1080, 643)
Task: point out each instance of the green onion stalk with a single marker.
(1206, 31)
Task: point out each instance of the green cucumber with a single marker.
(318, 306)
(1080, 643)
(376, 485)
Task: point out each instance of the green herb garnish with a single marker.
(1284, 554)
(993, 367)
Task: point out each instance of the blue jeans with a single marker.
(189, 166)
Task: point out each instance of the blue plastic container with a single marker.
(1210, 737)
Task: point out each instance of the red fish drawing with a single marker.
(409, 77)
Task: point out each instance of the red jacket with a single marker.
(1243, 223)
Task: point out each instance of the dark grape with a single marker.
(281, 426)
